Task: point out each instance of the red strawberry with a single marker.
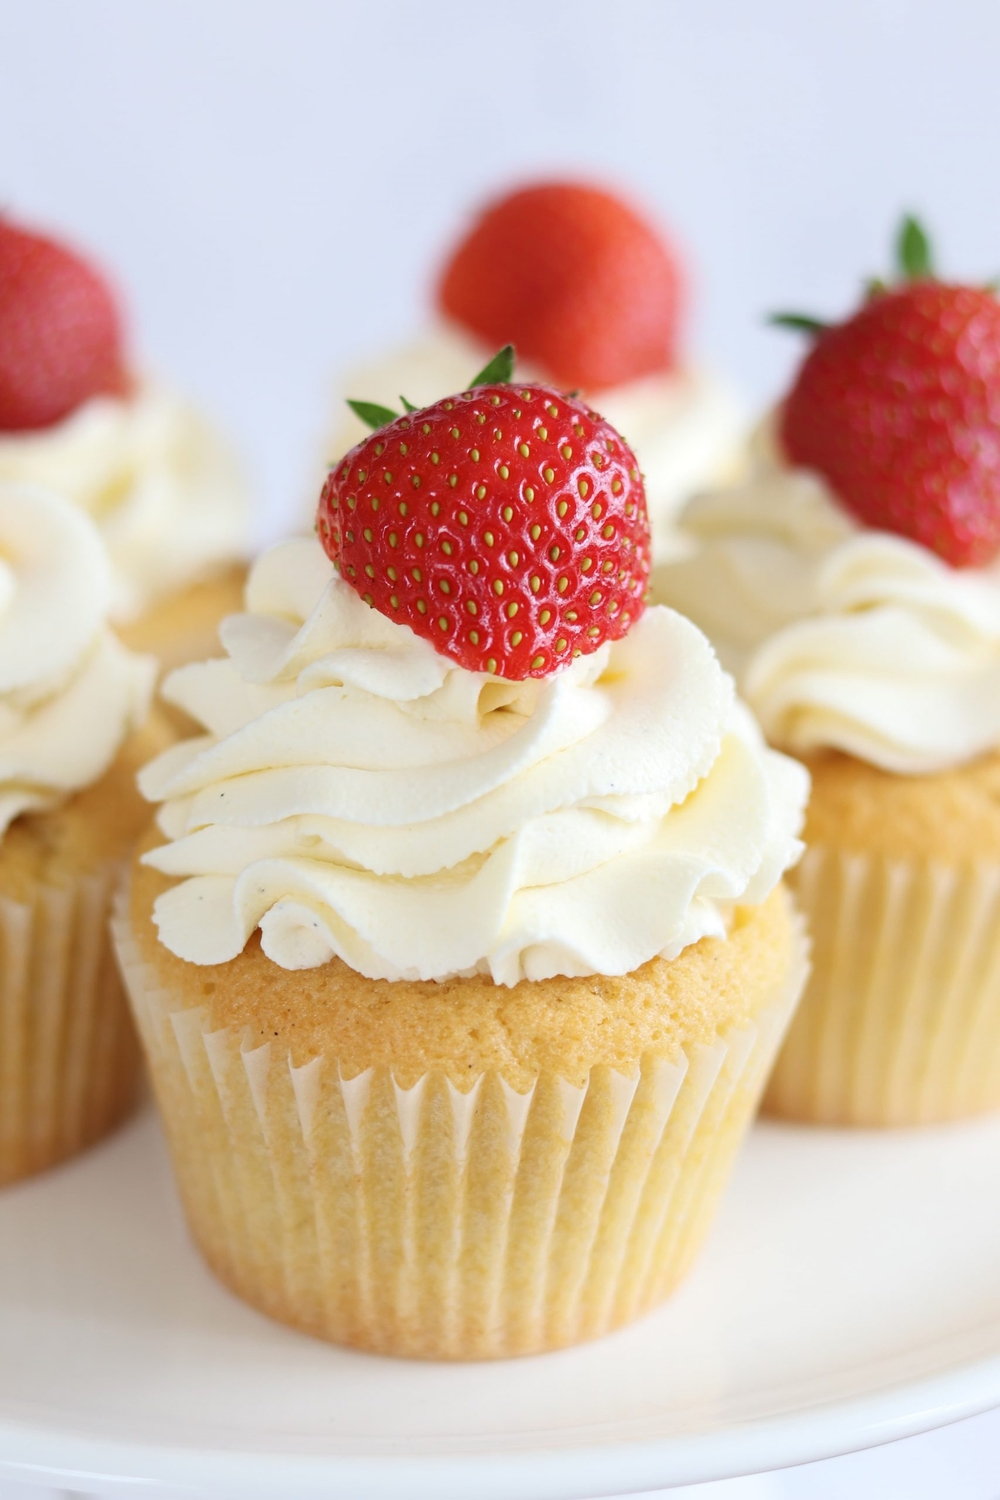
(60, 335)
(583, 286)
(899, 408)
(506, 525)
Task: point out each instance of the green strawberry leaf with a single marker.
(801, 322)
(913, 251)
(408, 405)
(499, 371)
(371, 413)
(875, 287)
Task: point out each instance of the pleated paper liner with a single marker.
(69, 1059)
(900, 1021)
(434, 1223)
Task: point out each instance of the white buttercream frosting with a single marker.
(685, 427)
(356, 793)
(839, 636)
(69, 690)
(160, 483)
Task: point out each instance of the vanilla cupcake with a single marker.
(161, 485)
(852, 587)
(592, 296)
(460, 952)
(73, 701)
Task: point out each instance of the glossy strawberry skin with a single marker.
(60, 333)
(899, 409)
(506, 525)
(575, 278)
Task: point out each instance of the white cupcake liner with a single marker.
(432, 1222)
(900, 1022)
(69, 1061)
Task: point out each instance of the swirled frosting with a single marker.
(841, 637)
(164, 490)
(685, 427)
(355, 793)
(69, 690)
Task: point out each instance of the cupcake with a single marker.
(75, 418)
(73, 733)
(460, 949)
(592, 295)
(853, 587)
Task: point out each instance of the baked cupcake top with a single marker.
(449, 738)
(70, 692)
(164, 489)
(593, 296)
(851, 583)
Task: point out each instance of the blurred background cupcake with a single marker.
(461, 950)
(593, 297)
(852, 586)
(74, 729)
(76, 417)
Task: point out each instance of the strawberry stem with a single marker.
(372, 414)
(913, 251)
(408, 405)
(801, 322)
(499, 371)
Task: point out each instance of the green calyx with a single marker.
(915, 256)
(914, 262)
(371, 413)
(801, 322)
(499, 371)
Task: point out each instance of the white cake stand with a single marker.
(850, 1294)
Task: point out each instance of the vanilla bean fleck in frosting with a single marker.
(70, 692)
(357, 794)
(161, 485)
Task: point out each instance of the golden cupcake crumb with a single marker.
(900, 884)
(184, 626)
(69, 1059)
(464, 1027)
(458, 1171)
(97, 824)
(952, 816)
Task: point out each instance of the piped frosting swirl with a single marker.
(163, 488)
(357, 794)
(841, 637)
(69, 690)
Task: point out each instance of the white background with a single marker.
(273, 182)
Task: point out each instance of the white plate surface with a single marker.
(849, 1294)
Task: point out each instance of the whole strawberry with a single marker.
(60, 336)
(506, 525)
(899, 408)
(584, 287)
